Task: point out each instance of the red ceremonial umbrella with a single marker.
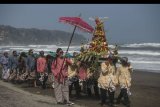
(77, 22)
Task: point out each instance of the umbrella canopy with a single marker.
(77, 21)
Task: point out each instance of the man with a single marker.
(124, 78)
(4, 61)
(31, 66)
(22, 67)
(107, 82)
(92, 78)
(61, 83)
(42, 69)
(13, 65)
(50, 80)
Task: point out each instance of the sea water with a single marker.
(142, 56)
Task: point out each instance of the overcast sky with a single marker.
(127, 23)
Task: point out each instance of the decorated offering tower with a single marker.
(99, 42)
(98, 47)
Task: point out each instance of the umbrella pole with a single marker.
(66, 53)
(71, 39)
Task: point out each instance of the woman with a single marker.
(124, 78)
(61, 83)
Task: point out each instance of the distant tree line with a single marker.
(22, 36)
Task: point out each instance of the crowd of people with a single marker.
(64, 75)
(26, 67)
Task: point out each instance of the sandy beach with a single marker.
(145, 91)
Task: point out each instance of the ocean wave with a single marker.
(42, 46)
(71, 47)
(151, 53)
(145, 62)
(147, 66)
(135, 45)
(11, 46)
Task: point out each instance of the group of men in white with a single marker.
(111, 77)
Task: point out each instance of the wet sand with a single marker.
(12, 96)
(145, 91)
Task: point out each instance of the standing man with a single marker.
(42, 69)
(31, 66)
(124, 78)
(5, 66)
(61, 83)
(22, 66)
(107, 82)
(13, 65)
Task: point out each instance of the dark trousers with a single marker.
(111, 97)
(89, 93)
(44, 82)
(96, 89)
(103, 95)
(123, 94)
(77, 88)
